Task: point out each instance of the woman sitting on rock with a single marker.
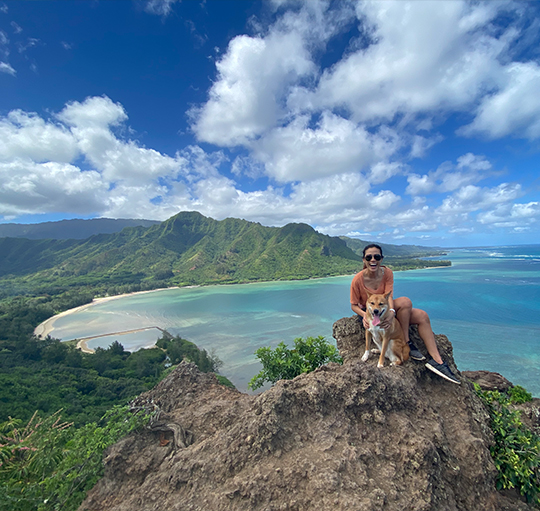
(378, 279)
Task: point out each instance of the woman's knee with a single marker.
(420, 317)
(403, 303)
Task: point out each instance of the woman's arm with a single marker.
(361, 312)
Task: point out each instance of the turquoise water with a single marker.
(487, 303)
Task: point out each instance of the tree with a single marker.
(284, 363)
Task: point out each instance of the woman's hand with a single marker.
(364, 321)
(388, 318)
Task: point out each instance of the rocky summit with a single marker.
(344, 437)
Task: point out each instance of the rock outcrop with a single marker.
(344, 437)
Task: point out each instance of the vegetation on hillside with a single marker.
(187, 249)
(283, 363)
(516, 450)
(46, 375)
(47, 464)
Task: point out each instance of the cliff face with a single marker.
(343, 437)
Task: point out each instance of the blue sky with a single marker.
(403, 122)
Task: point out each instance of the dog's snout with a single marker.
(376, 312)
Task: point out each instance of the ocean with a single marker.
(487, 303)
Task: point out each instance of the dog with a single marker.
(390, 341)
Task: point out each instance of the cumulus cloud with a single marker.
(29, 187)
(514, 109)
(28, 136)
(90, 124)
(422, 57)
(335, 145)
(38, 163)
(252, 76)
(470, 168)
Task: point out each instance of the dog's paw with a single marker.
(365, 356)
(380, 365)
(375, 351)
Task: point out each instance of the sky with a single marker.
(393, 121)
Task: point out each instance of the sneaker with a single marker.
(442, 370)
(415, 353)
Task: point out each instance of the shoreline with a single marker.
(44, 329)
(47, 327)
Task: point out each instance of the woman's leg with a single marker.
(403, 306)
(406, 316)
(421, 318)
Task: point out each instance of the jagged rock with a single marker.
(344, 437)
(488, 380)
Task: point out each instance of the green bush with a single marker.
(516, 451)
(519, 395)
(284, 363)
(48, 464)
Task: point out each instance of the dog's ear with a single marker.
(388, 295)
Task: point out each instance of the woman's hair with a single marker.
(373, 245)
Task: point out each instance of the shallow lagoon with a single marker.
(487, 303)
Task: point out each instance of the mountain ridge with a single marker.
(188, 248)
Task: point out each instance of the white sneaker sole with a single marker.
(442, 375)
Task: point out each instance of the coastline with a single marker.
(47, 327)
(44, 329)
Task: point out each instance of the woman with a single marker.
(378, 279)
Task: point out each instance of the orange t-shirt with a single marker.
(358, 288)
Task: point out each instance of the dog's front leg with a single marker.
(368, 342)
(385, 341)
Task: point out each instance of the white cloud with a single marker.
(252, 78)
(512, 215)
(38, 172)
(470, 199)
(514, 109)
(91, 122)
(29, 187)
(28, 136)
(382, 171)
(298, 152)
(16, 28)
(423, 57)
(159, 7)
(93, 112)
(7, 68)
(470, 168)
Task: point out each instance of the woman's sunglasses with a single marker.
(377, 257)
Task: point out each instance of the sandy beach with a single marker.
(46, 328)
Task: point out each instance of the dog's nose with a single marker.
(376, 312)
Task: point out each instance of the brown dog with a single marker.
(390, 341)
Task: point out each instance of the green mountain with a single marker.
(187, 249)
